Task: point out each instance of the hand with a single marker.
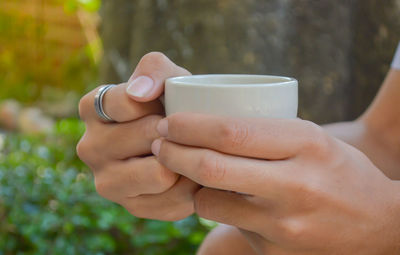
(225, 240)
(119, 153)
(307, 192)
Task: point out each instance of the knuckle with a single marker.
(85, 104)
(212, 169)
(149, 127)
(316, 141)
(134, 177)
(83, 149)
(88, 150)
(165, 179)
(293, 230)
(153, 60)
(201, 204)
(234, 134)
(102, 187)
(310, 192)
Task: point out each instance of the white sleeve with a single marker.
(396, 59)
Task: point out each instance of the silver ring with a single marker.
(98, 103)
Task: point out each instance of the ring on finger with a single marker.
(98, 103)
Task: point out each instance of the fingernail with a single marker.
(140, 87)
(155, 147)
(162, 127)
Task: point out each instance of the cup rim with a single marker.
(187, 81)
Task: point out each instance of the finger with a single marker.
(259, 243)
(123, 140)
(259, 138)
(136, 176)
(174, 204)
(232, 209)
(217, 239)
(117, 105)
(147, 81)
(221, 171)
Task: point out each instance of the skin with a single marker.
(376, 133)
(119, 154)
(301, 190)
(307, 192)
(365, 133)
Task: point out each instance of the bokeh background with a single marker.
(54, 51)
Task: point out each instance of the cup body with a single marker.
(233, 95)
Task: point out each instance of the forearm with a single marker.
(357, 134)
(377, 132)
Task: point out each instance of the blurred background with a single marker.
(54, 51)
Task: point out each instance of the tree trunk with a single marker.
(338, 50)
(115, 31)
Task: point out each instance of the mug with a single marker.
(233, 95)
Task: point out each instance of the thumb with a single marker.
(147, 81)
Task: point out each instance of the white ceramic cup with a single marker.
(234, 95)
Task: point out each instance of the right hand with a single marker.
(225, 240)
(119, 154)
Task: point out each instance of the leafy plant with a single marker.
(48, 205)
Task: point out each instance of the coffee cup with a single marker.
(233, 95)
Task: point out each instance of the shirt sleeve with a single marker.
(396, 59)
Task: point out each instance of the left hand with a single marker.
(296, 189)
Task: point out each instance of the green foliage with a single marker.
(48, 205)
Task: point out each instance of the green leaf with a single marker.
(49, 205)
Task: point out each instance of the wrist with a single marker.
(393, 216)
(396, 215)
(396, 192)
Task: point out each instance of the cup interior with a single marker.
(230, 79)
